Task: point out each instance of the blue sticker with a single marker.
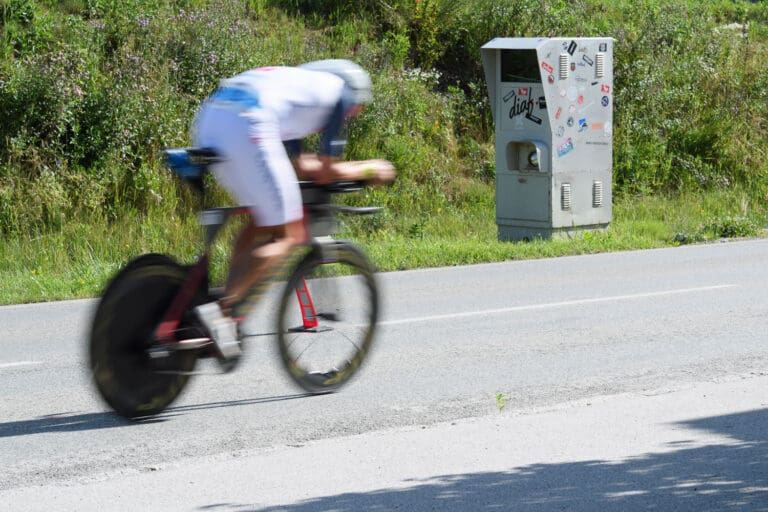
(605, 101)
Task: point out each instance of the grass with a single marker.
(91, 90)
(76, 262)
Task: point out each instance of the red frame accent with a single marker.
(308, 312)
(166, 331)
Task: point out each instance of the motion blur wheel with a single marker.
(327, 317)
(126, 377)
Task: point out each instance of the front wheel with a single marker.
(122, 331)
(327, 317)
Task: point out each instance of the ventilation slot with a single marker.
(565, 62)
(597, 194)
(600, 66)
(565, 196)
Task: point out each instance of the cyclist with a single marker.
(256, 121)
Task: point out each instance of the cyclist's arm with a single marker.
(327, 169)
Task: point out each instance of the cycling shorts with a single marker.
(256, 169)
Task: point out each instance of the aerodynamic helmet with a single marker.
(355, 77)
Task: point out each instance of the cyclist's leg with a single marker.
(249, 239)
(262, 178)
(257, 172)
(255, 265)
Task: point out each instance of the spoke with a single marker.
(345, 303)
(296, 359)
(357, 348)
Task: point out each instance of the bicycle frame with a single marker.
(213, 220)
(191, 165)
(145, 339)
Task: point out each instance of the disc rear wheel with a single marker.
(128, 379)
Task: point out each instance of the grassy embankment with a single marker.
(91, 90)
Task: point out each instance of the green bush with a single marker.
(91, 90)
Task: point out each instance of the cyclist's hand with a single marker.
(377, 172)
(324, 169)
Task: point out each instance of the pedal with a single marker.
(179, 372)
(165, 350)
(193, 343)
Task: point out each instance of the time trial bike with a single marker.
(145, 339)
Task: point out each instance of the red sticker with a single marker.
(559, 111)
(522, 91)
(547, 67)
(605, 88)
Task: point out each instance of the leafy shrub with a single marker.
(731, 227)
(91, 90)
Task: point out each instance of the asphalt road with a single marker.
(542, 333)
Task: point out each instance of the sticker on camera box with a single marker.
(565, 148)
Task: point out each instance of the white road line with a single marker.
(577, 302)
(19, 363)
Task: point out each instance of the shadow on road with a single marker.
(728, 476)
(68, 422)
(237, 403)
(64, 422)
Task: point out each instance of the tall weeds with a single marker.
(91, 90)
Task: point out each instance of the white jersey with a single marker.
(247, 120)
(302, 100)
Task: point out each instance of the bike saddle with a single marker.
(190, 164)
